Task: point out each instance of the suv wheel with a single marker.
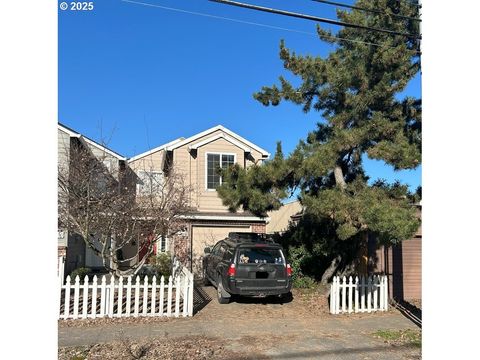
(206, 282)
(220, 291)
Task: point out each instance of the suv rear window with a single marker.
(256, 255)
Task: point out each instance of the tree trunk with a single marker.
(340, 181)
(330, 270)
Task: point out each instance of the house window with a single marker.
(162, 244)
(214, 162)
(149, 182)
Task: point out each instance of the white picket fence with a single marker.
(359, 294)
(123, 298)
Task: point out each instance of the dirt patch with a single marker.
(196, 348)
(70, 323)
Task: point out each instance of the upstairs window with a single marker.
(214, 162)
(149, 182)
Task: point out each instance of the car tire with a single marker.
(206, 282)
(221, 299)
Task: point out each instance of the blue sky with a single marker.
(140, 76)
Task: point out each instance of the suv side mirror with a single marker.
(207, 250)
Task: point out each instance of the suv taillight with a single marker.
(231, 270)
(289, 270)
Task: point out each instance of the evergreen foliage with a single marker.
(356, 89)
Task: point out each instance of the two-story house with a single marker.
(198, 158)
(72, 245)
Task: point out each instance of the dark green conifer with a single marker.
(356, 89)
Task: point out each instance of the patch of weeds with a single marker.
(407, 337)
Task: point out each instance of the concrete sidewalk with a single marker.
(229, 328)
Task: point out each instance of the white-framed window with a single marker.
(162, 244)
(213, 162)
(149, 182)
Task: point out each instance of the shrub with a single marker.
(81, 272)
(304, 282)
(163, 265)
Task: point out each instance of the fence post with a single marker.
(356, 294)
(185, 295)
(375, 292)
(169, 301)
(111, 303)
(350, 294)
(154, 295)
(190, 297)
(344, 294)
(145, 295)
(332, 296)
(137, 296)
(94, 296)
(386, 292)
(128, 304)
(67, 298)
(162, 295)
(102, 296)
(362, 294)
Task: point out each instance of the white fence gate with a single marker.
(359, 294)
(123, 298)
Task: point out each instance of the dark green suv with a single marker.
(247, 264)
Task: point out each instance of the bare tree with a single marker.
(119, 223)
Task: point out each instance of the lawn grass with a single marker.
(407, 337)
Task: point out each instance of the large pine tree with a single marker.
(356, 91)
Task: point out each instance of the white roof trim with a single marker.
(224, 218)
(68, 131)
(90, 142)
(264, 153)
(158, 148)
(220, 136)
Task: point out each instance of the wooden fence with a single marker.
(123, 298)
(359, 294)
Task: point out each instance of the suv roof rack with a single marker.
(249, 237)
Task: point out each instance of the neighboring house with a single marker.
(402, 263)
(197, 158)
(71, 245)
(281, 219)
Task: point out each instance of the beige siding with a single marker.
(192, 165)
(204, 236)
(152, 162)
(280, 219)
(63, 145)
(208, 200)
(185, 163)
(106, 159)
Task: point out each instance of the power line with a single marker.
(375, 11)
(258, 24)
(218, 17)
(314, 18)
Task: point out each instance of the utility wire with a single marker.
(366, 10)
(218, 17)
(314, 18)
(258, 24)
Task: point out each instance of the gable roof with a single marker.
(75, 134)
(227, 135)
